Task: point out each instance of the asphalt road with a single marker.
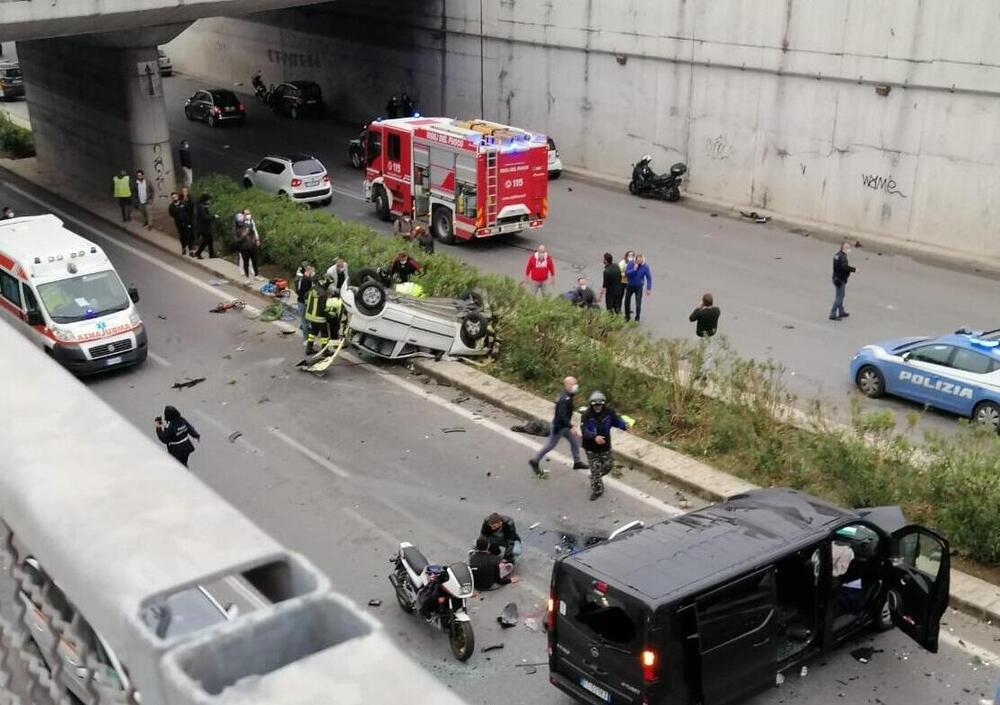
(773, 286)
(343, 468)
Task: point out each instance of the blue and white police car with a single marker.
(959, 373)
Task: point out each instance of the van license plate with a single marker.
(596, 690)
(112, 361)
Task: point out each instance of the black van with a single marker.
(710, 606)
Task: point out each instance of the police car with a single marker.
(959, 373)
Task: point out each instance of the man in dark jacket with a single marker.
(562, 427)
(705, 317)
(611, 284)
(501, 537)
(488, 569)
(203, 218)
(595, 426)
(842, 270)
(582, 295)
(404, 267)
(176, 433)
(182, 211)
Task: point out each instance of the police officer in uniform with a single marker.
(595, 429)
(176, 433)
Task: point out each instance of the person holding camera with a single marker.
(176, 433)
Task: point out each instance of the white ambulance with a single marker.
(63, 292)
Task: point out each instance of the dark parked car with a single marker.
(215, 106)
(297, 98)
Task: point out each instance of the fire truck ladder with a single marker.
(492, 184)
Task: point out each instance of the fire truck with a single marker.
(465, 179)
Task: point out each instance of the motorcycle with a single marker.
(260, 90)
(356, 149)
(447, 609)
(646, 182)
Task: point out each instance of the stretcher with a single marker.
(318, 363)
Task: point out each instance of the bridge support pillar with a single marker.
(96, 105)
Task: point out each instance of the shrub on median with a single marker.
(953, 483)
(15, 141)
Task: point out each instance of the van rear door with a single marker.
(597, 634)
(737, 638)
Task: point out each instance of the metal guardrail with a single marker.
(100, 528)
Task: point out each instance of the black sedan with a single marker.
(215, 106)
(296, 99)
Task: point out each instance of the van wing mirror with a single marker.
(631, 526)
(133, 294)
(35, 318)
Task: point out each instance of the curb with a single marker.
(970, 594)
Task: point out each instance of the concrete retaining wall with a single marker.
(870, 116)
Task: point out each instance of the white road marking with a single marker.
(350, 194)
(312, 455)
(158, 359)
(372, 526)
(617, 485)
(248, 594)
(956, 642)
(225, 431)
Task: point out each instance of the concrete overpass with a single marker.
(93, 84)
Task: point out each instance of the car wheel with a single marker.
(247, 183)
(370, 298)
(987, 415)
(363, 275)
(355, 159)
(282, 194)
(382, 205)
(883, 620)
(473, 328)
(295, 112)
(212, 122)
(443, 227)
(870, 381)
(187, 113)
(633, 188)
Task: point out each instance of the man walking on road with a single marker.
(611, 284)
(705, 317)
(562, 427)
(637, 274)
(144, 198)
(203, 218)
(842, 270)
(185, 154)
(595, 426)
(123, 194)
(540, 270)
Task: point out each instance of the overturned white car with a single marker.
(393, 325)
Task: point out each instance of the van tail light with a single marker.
(216, 110)
(296, 183)
(600, 587)
(242, 109)
(648, 660)
(550, 623)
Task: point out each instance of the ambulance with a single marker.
(63, 292)
(465, 179)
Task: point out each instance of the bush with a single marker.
(15, 141)
(951, 483)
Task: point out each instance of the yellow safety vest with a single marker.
(410, 289)
(122, 188)
(313, 314)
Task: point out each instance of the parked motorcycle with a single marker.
(356, 149)
(446, 603)
(260, 90)
(646, 182)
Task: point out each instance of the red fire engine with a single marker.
(465, 179)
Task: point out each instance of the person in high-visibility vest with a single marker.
(123, 194)
(315, 316)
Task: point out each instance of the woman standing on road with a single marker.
(175, 433)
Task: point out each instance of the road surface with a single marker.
(343, 468)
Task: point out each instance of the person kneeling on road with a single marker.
(501, 537)
(488, 569)
(595, 426)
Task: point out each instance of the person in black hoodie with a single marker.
(176, 433)
(488, 569)
(562, 427)
(611, 284)
(203, 218)
(842, 270)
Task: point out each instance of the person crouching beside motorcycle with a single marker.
(501, 537)
(488, 569)
(595, 429)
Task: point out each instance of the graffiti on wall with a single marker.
(718, 148)
(159, 172)
(291, 58)
(886, 184)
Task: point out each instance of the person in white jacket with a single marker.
(338, 275)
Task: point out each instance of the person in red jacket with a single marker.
(540, 271)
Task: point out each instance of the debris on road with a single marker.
(492, 647)
(461, 399)
(755, 216)
(453, 429)
(161, 316)
(240, 348)
(533, 427)
(224, 306)
(508, 618)
(263, 400)
(234, 435)
(189, 382)
(227, 357)
(535, 525)
(864, 653)
(374, 602)
(531, 624)
(218, 282)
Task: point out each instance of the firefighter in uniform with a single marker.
(322, 314)
(595, 430)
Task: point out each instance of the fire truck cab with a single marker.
(464, 178)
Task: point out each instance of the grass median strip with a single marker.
(702, 400)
